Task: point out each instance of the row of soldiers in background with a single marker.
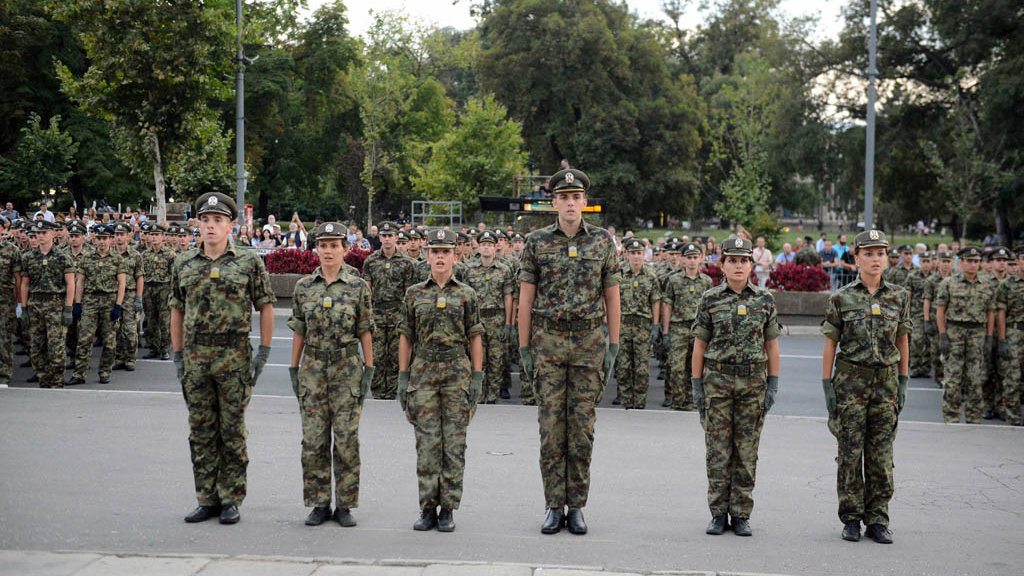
(968, 312)
(64, 288)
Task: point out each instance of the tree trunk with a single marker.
(1002, 224)
(158, 180)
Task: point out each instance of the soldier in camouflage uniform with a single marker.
(527, 395)
(77, 248)
(965, 318)
(991, 391)
(943, 268)
(735, 379)
(389, 274)
(1010, 326)
(671, 263)
(641, 307)
(503, 252)
(893, 265)
(127, 340)
(213, 290)
(157, 262)
(678, 311)
(99, 291)
(47, 295)
(331, 318)
(569, 284)
(10, 281)
(440, 360)
(492, 282)
(915, 282)
(869, 321)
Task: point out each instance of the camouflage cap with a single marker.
(632, 245)
(691, 249)
(969, 253)
(1000, 253)
(387, 229)
(487, 236)
(441, 238)
(75, 227)
(871, 239)
(738, 247)
(330, 231)
(569, 180)
(215, 202)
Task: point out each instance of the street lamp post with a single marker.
(240, 176)
(869, 160)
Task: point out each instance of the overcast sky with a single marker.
(447, 13)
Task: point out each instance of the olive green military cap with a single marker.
(403, 236)
(633, 245)
(1000, 253)
(871, 239)
(44, 226)
(673, 246)
(691, 248)
(75, 227)
(517, 237)
(487, 236)
(122, 227)
(907, 248)
(738, 247)
(569, 180)
(969, 253)
(463, 238)
(413, 234)
(441, 238)
(215, 202)
(331, 231)
(944, 255)
(387, 229)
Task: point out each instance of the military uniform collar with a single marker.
(343, 275)
(882, 284)
(231, 249)
(585, 229)
(746, 288)
(451, 280)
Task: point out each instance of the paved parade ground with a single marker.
(105, 468)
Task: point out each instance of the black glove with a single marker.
(76, 310)
(655, 332)
(944, 344)
(930, 328)
(115, 312)
(293, 374)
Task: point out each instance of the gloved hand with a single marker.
(19, 311)
(26, 313)
(76, 310)
(901, 393)
(67, 317)
(476, 387)
(830, 396)
(655, 332)
(610, 353)
(364, 383)
(770, 392)
(506, 333)
(989, 346)
(526, 361)
(944, 344)
(259, 361)
(293, 374)
(115, 312)
(179, 364)
(929, 328)
(403, 386)
(666, 339)
(515, 334)
(138, 304)
(1004, 350)
(697, 387)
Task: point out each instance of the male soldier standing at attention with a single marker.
(47, 295)
(678, 311)
(966, 320)
(158, 260)
(213, 291)
(128, 329)
(10, 307)
(992, 388)
(99, 293)
(943, 268)
(78, 251)
(641, 299)
(389, 274)
(569, 286)
(492, 282)
(1010, 306)
(735, 379)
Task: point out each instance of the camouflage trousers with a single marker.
(568, 378)
(217, 387)
(992, 387)
(965, 373)
(633, 364)
(1014, 366)
(865, 427)
(494, 355)
(437, 406)
(734, 408)
(127, 331)
(385, 353)
(680, 355)
(919, 355)
(95, 320)
(527, 391)
(936, 358)
(158, 319)
(329, 406)
(7, 329)
(47, 338)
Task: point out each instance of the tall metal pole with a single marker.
(240, 177)
(869, 159)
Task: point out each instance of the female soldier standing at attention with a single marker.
(869, 321)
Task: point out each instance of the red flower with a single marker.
(798, 278)
(291, 261)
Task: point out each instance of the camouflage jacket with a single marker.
(1010, 297)
(491, 283)
(966, 301)
(931, 291)
(388, 277)
(683, 294)
(157, 265)
(897, 275)
(331, 316)
(218, 296)
(570, 273)
(46, 272)
(10, 265)
(100, 272)
(866, 325)
(736, 325)
(915, 282)
(440, 317)
(639, 292)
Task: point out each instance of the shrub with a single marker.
(716, 274)
(798, 278)
(356, 257)
(291, 261)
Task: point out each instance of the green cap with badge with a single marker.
(569, 180)
(691, 249)
(332, 231)
(871, 239)
(441, 238)
(103, 230)
(738, 247)
(216, 203)
(402, 236)
(75, 227)
(969, 253)
(45, 226)
(387, 229)
(907, 249)
(487, 236)
(999, 253)
(633, 245)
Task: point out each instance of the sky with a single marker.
(456, 14)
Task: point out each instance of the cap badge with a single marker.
(212, 201)
(329, 228)
(569, 178)
(873, 234)
(440, 234)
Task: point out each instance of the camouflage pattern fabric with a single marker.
(736, 326)
(638, 293)
(10, 264)
(915, 284)
(491, 284)
(867, 325)
(967, 304)
(217, 298)
(389, 278)
(995, 368)
(157, 269)
(440, 321)
(71, 332)
(99, 296)
(935, 358)
(127, 341)
(46, 298)
(683, 293)
(1010, 297)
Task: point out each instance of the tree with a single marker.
(478, 158)
(153, 68)
(43, 161)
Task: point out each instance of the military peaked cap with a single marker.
(969, 253)
(215, 202)
(487, 236)
(441, 238)
(633, 245)
(871, 239)
(569, 180)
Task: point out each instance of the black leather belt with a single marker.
(440, 354)
(736, 369)
(381, 306)
(492, 312)
(636, 320)
(332, 355)
(959, 324)
(866, 369)
(581, 325)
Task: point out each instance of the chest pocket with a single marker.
(337, 320)
(859, 323)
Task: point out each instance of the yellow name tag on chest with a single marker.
(441, 302)
(387, 266)
(487, 277)
(573, 252)
(46, 262)
(215, 272)
(876, 310)
(692, 290)
(328, 302)
(636, 283)
(741, 310)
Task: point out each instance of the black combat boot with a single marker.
(318, 515)
(718, 525)
(445, 521)
(554, 521)
(574, 520)
(851, 531)
(427, 521)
